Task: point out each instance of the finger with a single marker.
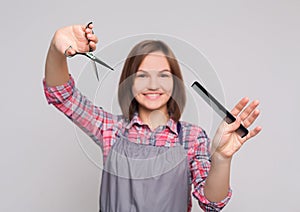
(92, 37)
(88, 34)
(69, 52)
(92, 45)
(72, 52)
(234, 126)
(254, 132)
(240, 106)
(88, 30)
(89, 25)
(249, 110)
(92, 41)
(251, 118)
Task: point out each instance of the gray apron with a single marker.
(145, 178)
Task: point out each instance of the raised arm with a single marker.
(80, 38)
(225, 144)
(60, 89)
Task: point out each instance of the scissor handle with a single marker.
(69, 55)
(87, 26)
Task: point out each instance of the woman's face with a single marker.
(153, 83)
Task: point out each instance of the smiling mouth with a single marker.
(152, 96)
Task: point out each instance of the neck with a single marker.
(154, 118)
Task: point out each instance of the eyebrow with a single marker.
(168, 70)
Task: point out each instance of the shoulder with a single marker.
(192, 129)
(193, 133)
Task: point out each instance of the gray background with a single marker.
(253, 46)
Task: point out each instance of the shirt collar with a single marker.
(136, 120)
(172, 125)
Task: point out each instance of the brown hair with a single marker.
(127, 102)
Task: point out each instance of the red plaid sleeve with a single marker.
(58, 94)
(90, 118)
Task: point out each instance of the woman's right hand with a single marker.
(79, 37)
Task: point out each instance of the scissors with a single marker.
(91, 56)
(95, 59)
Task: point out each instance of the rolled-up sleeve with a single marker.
(200, 165)
(58, 94)
(77, 107)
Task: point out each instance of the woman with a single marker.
(151, 159)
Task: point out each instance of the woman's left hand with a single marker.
(226, 141)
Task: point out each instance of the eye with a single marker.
(141, 75)
(165, 75)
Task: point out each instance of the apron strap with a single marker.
(179, 131)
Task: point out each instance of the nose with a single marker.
(153, 83)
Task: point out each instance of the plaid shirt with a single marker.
(102, 127)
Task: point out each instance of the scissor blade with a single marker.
(96, 70)
(94, 58)
(102, 63)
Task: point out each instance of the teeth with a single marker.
(152, 95)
